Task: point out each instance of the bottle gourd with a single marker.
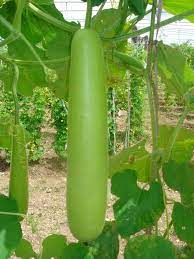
(87, 137)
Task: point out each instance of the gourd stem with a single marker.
(150, 87)
(63, 25)
(173, 19)
(88, 14)
(12, 214)
(34, 62)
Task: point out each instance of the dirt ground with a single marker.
(47, 212)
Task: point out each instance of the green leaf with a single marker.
(165, 133)
(180, 177)
(50, 43)
(53, 246)
(95, 2)
(174, 70)
(60, 47)
(136, 208)
(25, 250)
(8, 12)
(30, 77)
(184, 145)
(75, 251)
(107, 22)
(136, 158)
(183, 218)
(149, 247)
(107, 244)
(179, 6)
(43, 2)
(186, 252)
(10, 229)
(138, 7)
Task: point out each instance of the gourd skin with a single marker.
(87, 137)
(18, 185)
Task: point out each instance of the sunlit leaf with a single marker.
(75, 251)
(149, 247)
(174, 70)
(180, 177)
(136, 208)
(107, 22)
(183, 218)
(135, 157)
(179, 6)
(10, 229)
(106, 246)
(25, 250)
(53, 246)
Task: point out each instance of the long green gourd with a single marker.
(18, 185)
(87, 137)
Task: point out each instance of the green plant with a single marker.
(131, 92)
(112, 127)
(59, 115)
(32, 112)
(87, 125)
(137, 111)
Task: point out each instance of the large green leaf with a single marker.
(179, 6)
(184, 145)
(138, 7)
(180, 177)
(136, 208)
(107, 22)
(7, 11)
(75, 251)
(135, 157)
(174, 70)
(10, 229)
(59, 47)
(165, 132)
(53, 246)
(106, 246)
(149, 247)
(50, 43)
(183, 218)
(95, 2)
(25, 250)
